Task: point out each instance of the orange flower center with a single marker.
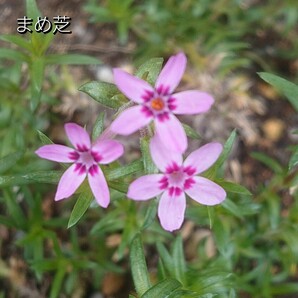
(157, 104)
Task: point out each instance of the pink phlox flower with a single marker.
(160, 104)
(176, 179)
(85, 158)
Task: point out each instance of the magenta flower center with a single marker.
(158, 103)
(86, 161)
(177, 179)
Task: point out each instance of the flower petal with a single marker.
(163, 157)
(204, 157)
(171, 211)
(145, 187)
(69, 183)
(109, 150)
(171, 133)
(206, 192)
(192, 102)
(55, 152)
(130, 120)
(133, 87)
(172, 72)
(78, 136)
(99, 186)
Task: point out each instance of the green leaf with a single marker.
(119, 185)
(32, 10)
(268, 161)
(163, 289)
(211, 215)
(44, 176)
(150, 214)
(46, 264)
(7, 221)
(289, 89)
(162, 274)
(122, 171)
(17, 40)
(179, 259)
(233, 187)
(227, 148)
(14, 76)
(98, 126)
(73, 59)
(80, 207)
(109, 223)
(190, 132)
(122, 28)
(105, 93)
(9, 160)
(36, 74)
(188, 294)
(165, 257)
(241, 209)
(138, 267)
(150, 70)
(15, 211)
(45, 42)
(129, 231)
(100, 13)
(232, 208)
(149, 166)
(58, 280)
(284, 288)
(44, 139)
(12, 180)
(39, 42)
(211, 172)
(12, 55)
(294, 159)
(221, 237)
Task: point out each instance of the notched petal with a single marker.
(130, 120)
(172, 72)
(133, 87)
(145, 187)
(107, 151)
(99, 186)
(162, 156)
(206, 192)
(192, 102)
(69, 182)
(78, 136)
(171, 211)
(204, 157)
(58, 153)
(172, 134)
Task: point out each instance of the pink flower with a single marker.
(178, 178)
(85, 158)
(160, 104)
